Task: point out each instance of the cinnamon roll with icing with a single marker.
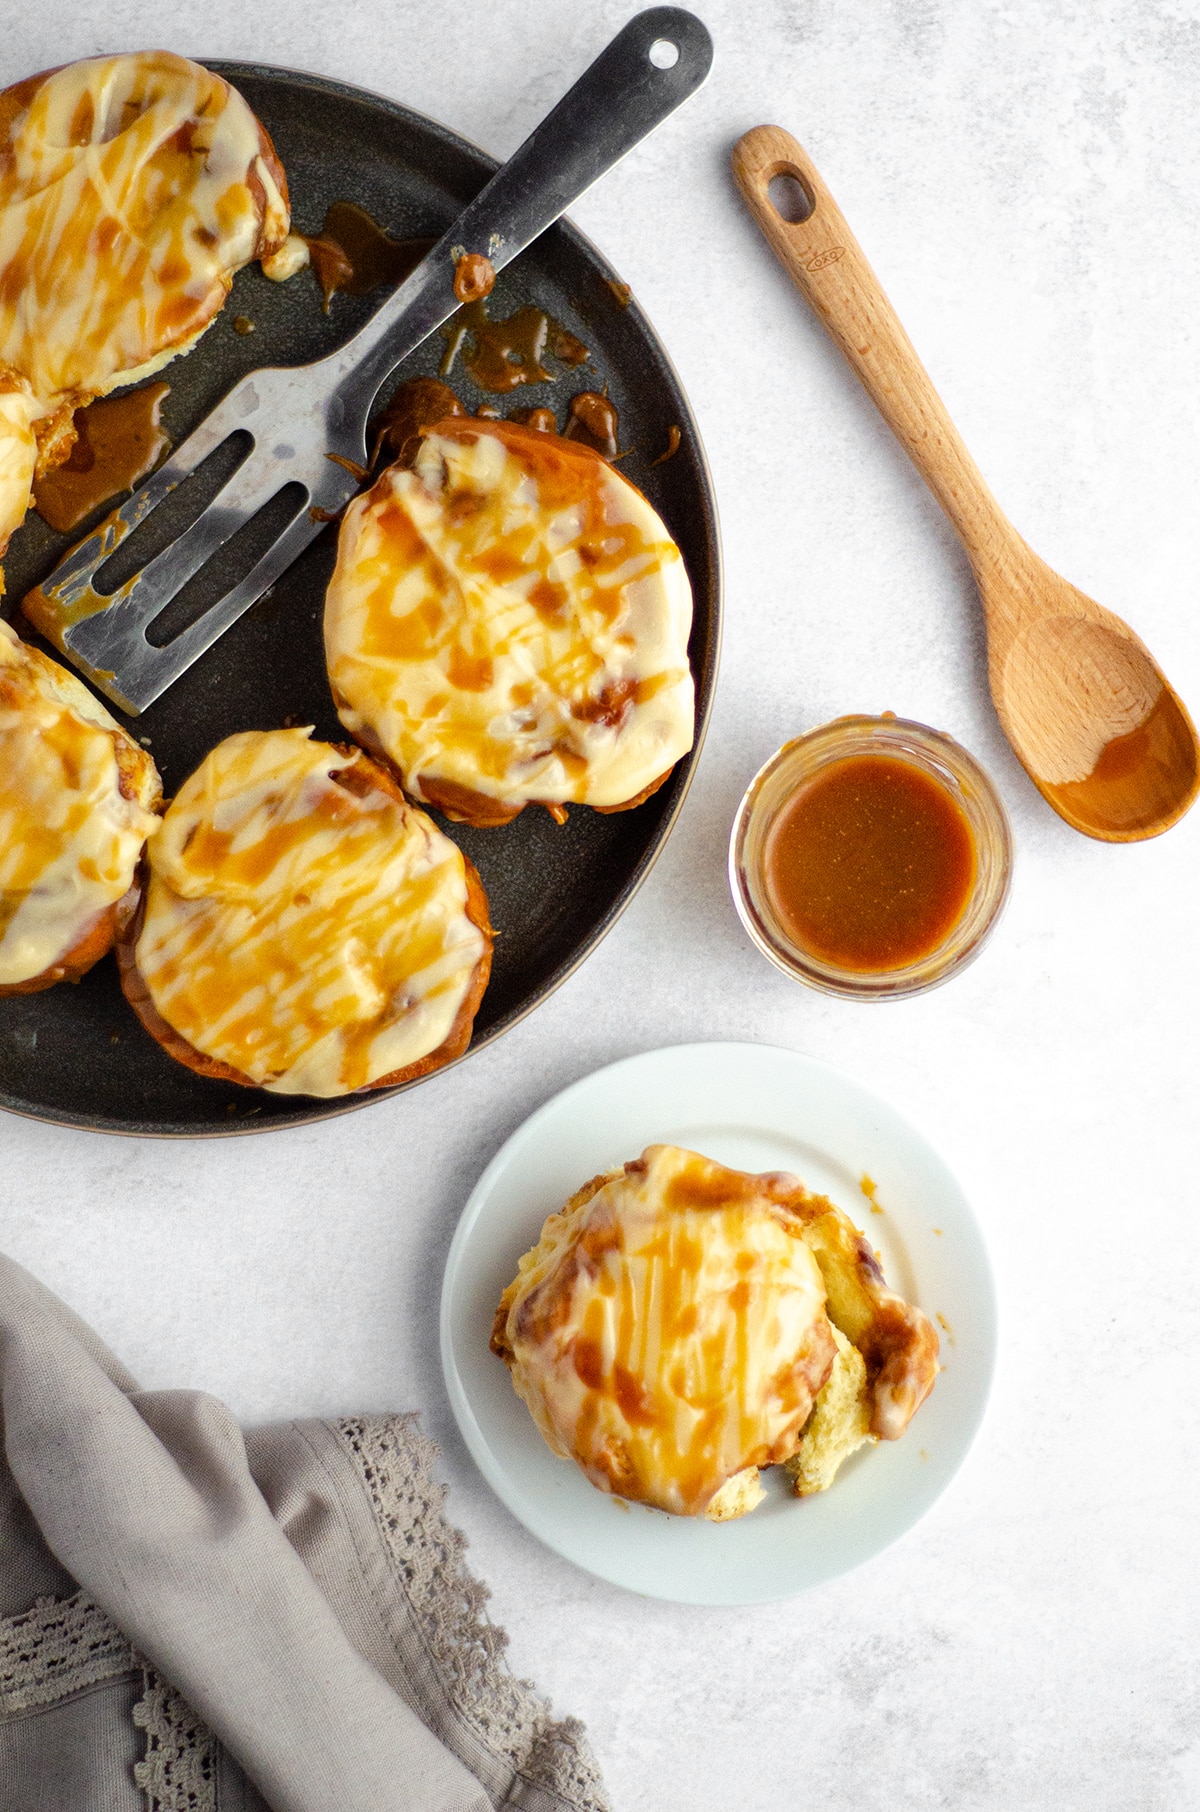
(299, 927)
(680, 1325)
(77, 803)
(508, 625)
(131, 189)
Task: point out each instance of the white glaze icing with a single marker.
(671, 1332)
(18, 455)
(313, 939)
(512, 616)
(292, 256)
(69, 838)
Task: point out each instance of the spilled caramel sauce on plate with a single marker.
(542, 421)
(567, 346)
(503, 353)
(354, 255)
(592, 419)
(417, 404)
(474, 277)
(118, 439)
(673, 439)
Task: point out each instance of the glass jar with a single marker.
(784, 778)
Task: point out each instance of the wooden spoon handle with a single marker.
(826, 263)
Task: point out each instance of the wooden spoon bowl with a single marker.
(1104, 738)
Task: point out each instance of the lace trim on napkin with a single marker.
(62, 1646)
(57, 1648)
(179, 1773)
(395, 1460)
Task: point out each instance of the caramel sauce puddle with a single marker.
(352, 254)
(506, 352)
(118, 439)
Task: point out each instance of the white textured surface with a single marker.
(1023, 177)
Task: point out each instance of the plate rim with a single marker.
(232, 69)
(472, 1432)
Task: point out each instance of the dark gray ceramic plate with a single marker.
(77, 1055)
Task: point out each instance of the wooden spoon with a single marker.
(1081, 699)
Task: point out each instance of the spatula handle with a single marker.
(826, 263)
(656, 61)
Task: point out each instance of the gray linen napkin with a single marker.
(197, 1620)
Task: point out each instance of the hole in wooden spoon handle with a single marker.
(790, 197)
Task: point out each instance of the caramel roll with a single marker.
(508, 623)
(680, 1325)
(77, 802)
(669, 1331)
(131, 190)
(303, 929)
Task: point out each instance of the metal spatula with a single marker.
(307, 423)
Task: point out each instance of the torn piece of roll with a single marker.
(131, 189)
(508, 624)
(300, 927)
(680, 1325)
(77, 801)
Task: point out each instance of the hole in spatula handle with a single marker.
(790, 198)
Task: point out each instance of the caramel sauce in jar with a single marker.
(870, 858)
(870, 865)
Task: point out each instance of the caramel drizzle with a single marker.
(683, 1336)
(434, 647)
(130, 189)
(309, 933)
(69, 834)
(481, 546)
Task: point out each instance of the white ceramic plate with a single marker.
(757, 1108)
